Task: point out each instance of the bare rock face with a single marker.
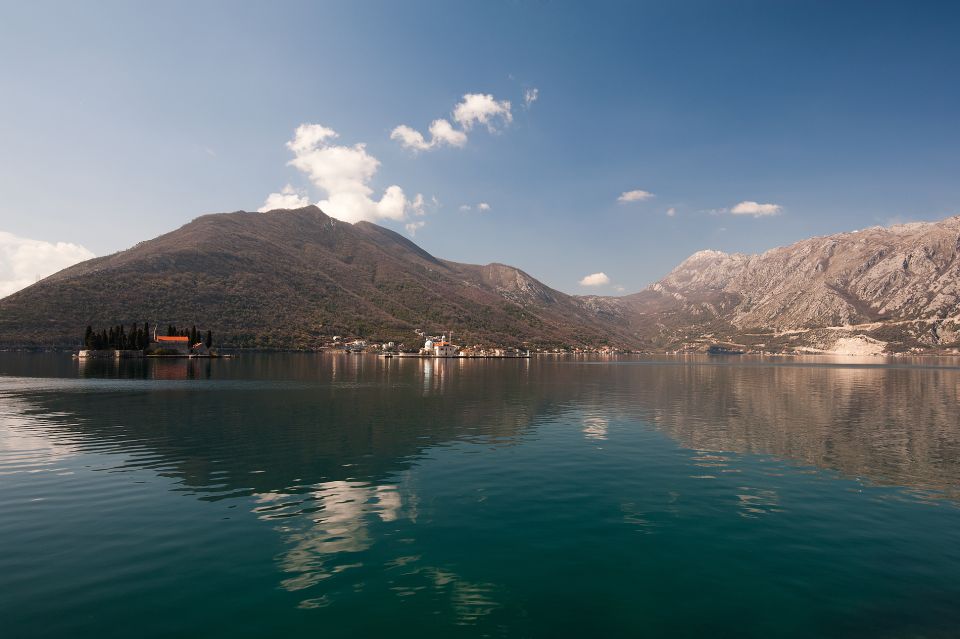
(898, 285)
(515, 285)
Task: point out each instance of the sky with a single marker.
(593, 145)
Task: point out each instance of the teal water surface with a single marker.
(349, 496)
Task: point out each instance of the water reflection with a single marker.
(312, 417)
(321, 527)
(896, 426)
(596, 427)
(428, 479)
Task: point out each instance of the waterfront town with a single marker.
(444, 346)
(140, 340)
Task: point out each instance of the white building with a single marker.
(439, 348)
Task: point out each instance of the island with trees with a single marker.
(138, 340)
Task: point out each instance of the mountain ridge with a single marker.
(900, 285)
(293, 278)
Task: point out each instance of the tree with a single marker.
(209, 340)
(88, 337)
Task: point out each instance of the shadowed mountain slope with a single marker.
(294, 278)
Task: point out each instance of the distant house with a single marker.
(444, 349)
(176, 343)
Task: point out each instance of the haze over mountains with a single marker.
(295, 278)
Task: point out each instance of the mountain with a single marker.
(879, 289)
(294, 279)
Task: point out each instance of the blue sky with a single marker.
(125, 120)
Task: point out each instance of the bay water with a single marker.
(336, 495)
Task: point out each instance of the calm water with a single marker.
(335, 496)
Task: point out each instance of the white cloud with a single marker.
(474, 108)
(483, 207)
(441, 133)
(530, 96)
(444, 133)
(482, 108)
(413, 226)
(287, 198)
(23, 261)
(756, 209)
(671, 212)
(595, 279)
(308, 136)
(410, 138)
(420, 206)
(343, 173)
(417, 206)
(638, 195)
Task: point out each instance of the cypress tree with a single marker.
(88, 337)
(209, 340)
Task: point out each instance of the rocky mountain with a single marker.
(875, 290)
(294, 279)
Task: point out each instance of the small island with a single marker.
(138, 341)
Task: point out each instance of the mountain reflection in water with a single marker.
(428, 479)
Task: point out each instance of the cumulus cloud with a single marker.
(483, 206)
(530, 96)
(595, 279)
(473, 109)
(671, 212)
(23, 261)
(482, 108)
(637, 195)
(410, 138)
(343, 173)
(465, 208)
(756, 209)
(441, 133)
(444, 133)
(287, 198)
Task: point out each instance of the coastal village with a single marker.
(444, 346)
(119, 342)
(441, 346)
